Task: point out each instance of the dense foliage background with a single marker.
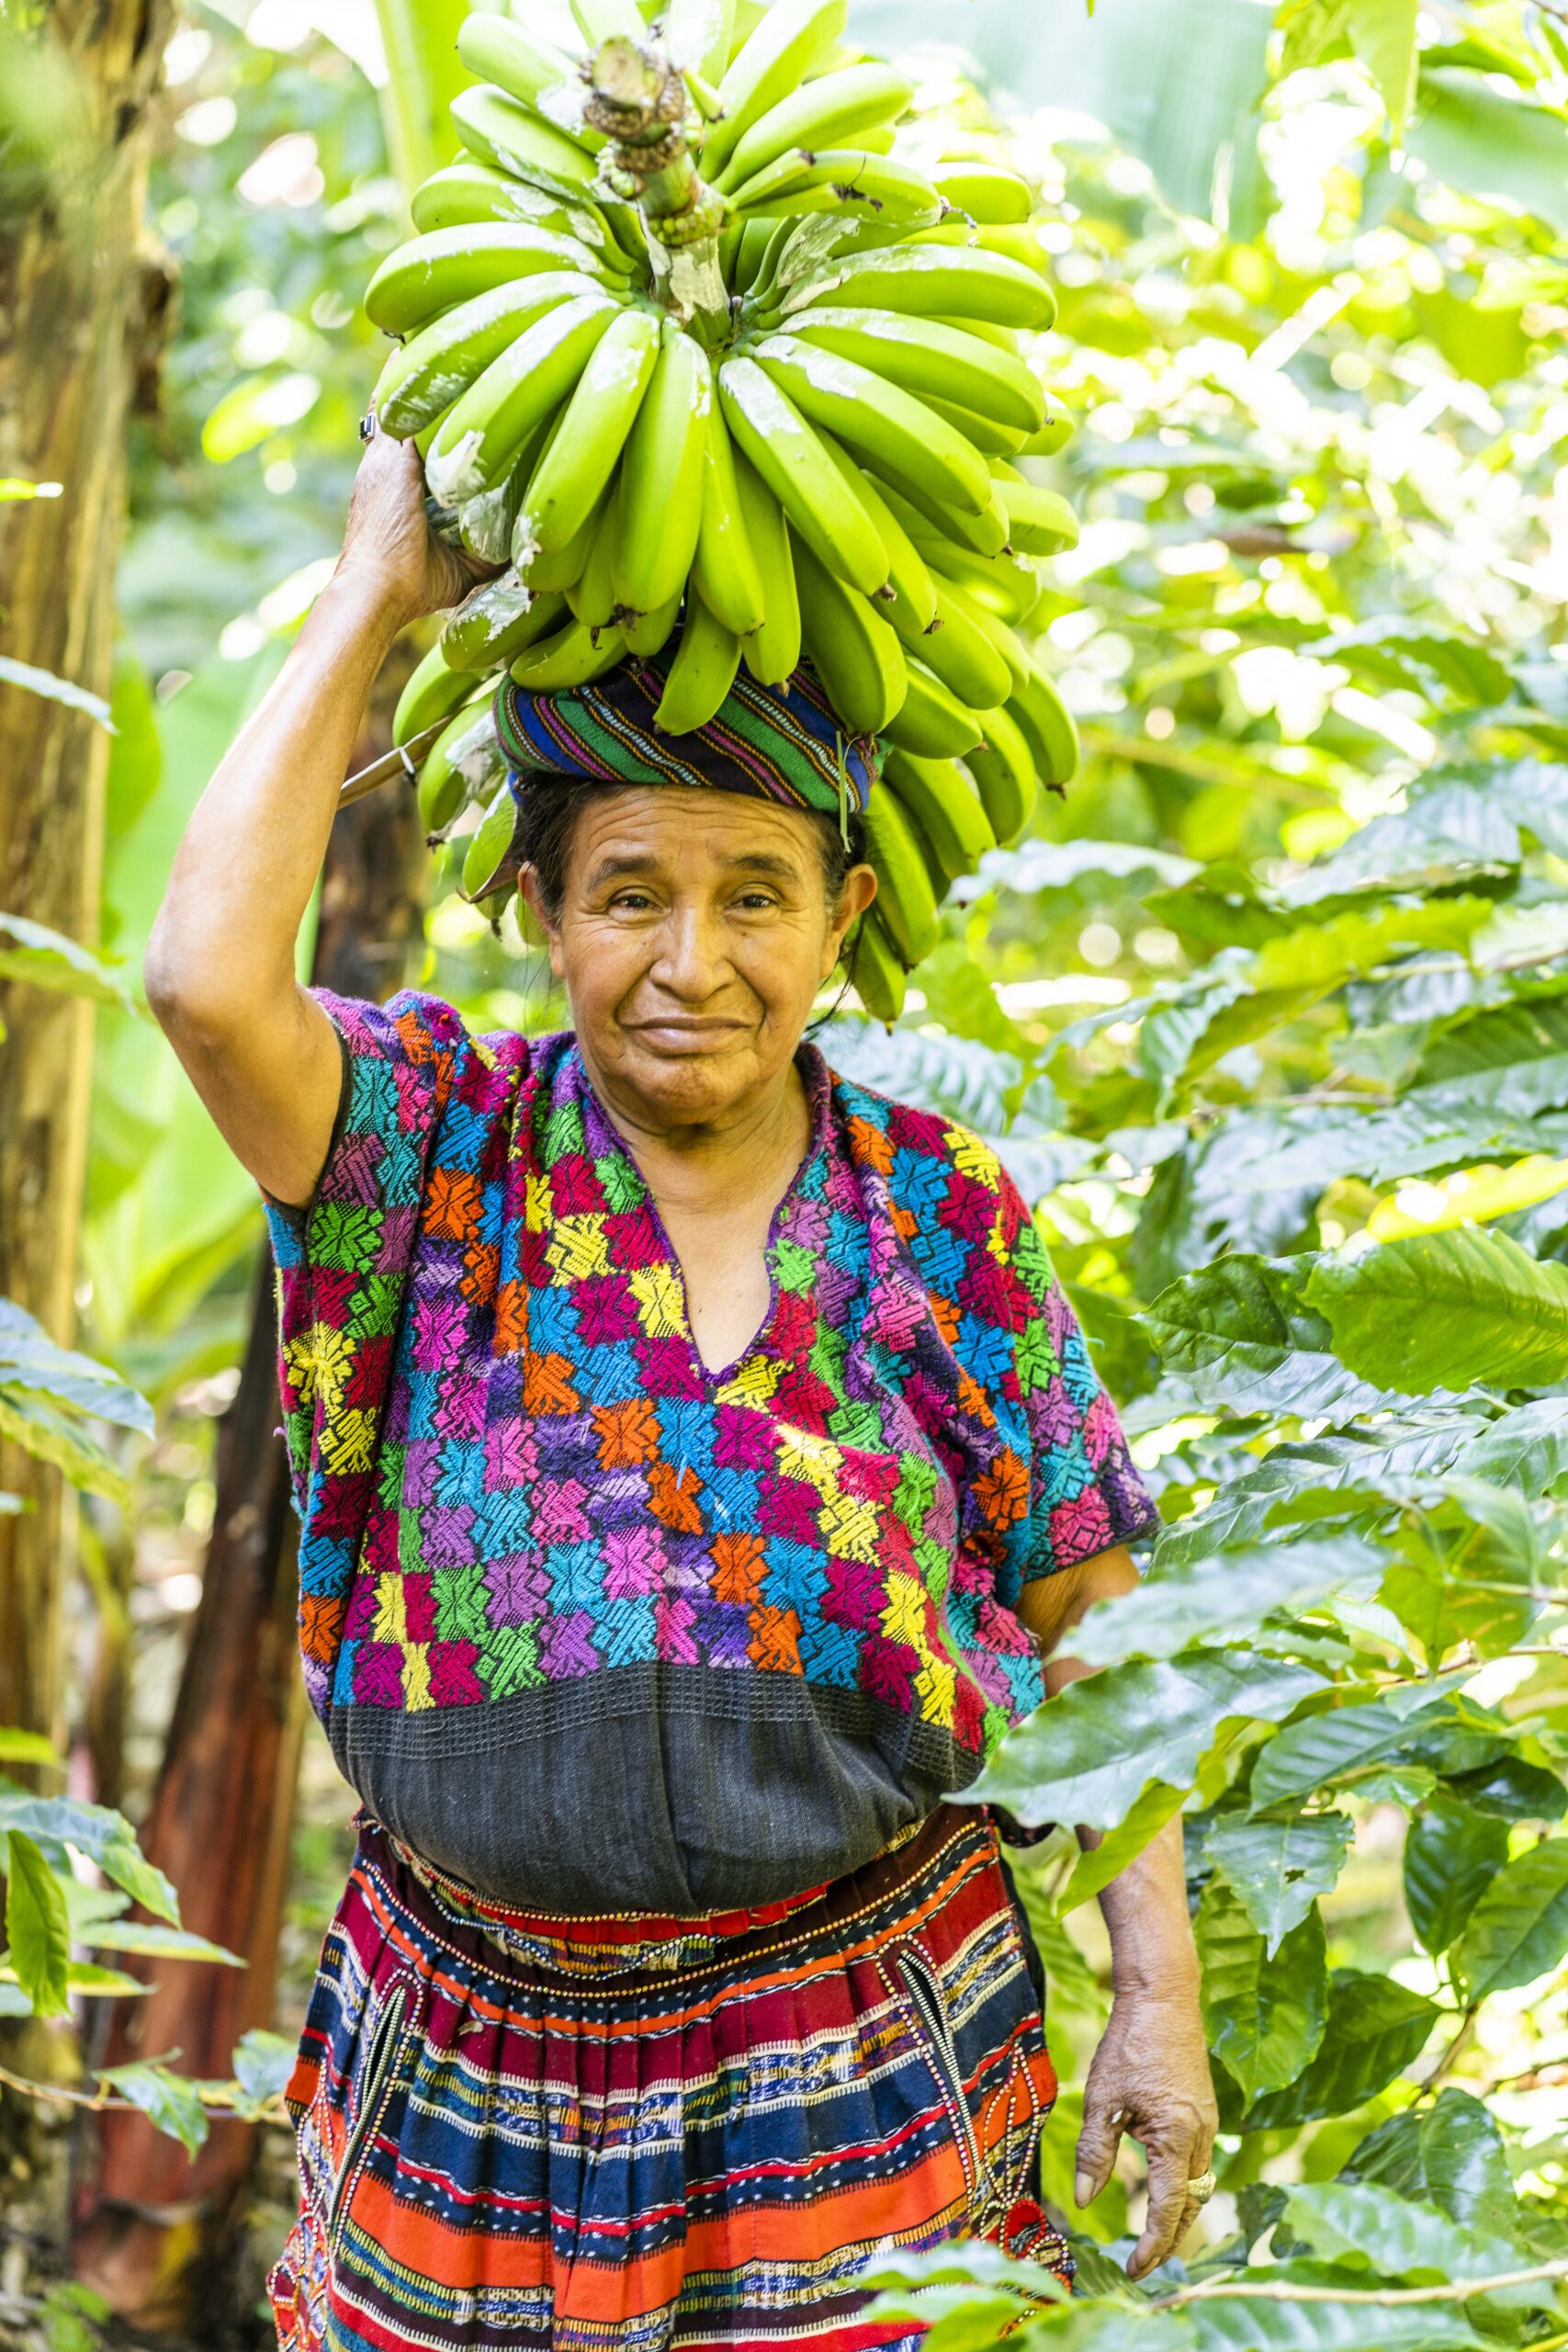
(1269, 1016)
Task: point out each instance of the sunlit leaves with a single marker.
(1396, 2237)
(1449, 2155)
(37, 1928)
(166, 2100)
(1519, 1928)
(1451, 1855)
(1217, 1599)
(48, 959)
(1438, 1310)
(1375, 2029)
(1277, 1864)
(1265, 2011)
(1239, 1333)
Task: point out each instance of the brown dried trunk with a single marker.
(154, 2225)
(77, 302)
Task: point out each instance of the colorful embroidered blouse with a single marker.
(592, 1627)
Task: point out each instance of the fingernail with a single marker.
(1083, 2189)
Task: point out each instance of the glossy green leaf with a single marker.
(31, 951)
(1278, 1864)
(1212, 1599)
(1518, 1930)
(1264, 2013)
(28, 1748)
(1510, 1062)
(1325, 1748)
(1449, 2155)
(1257, 2322)
(34, 681)
(1451, 1855)
(167, 1944)
(1443, 1309)
(1239, 1333)
(36, 1928)
(1087, 1756)
(1345, 2220)
(104, 1836)
(1488, 145)
(263, 2064)
(167, 2100)
(29, 1361)
(1097, 1865)
(1375, 2030)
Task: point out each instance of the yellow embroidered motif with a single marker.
(815, 1459)
(391, 1617)
(936, 1687)
(976, 1159)
(852, 1528)
(657, 1290)
(905, 1617)
(416, 1677)
(578, 1247)
(348, 1443)
(753, 1383)
(318, 1361)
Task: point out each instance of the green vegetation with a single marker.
(1268, 1014)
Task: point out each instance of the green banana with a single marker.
(926, 517)
(874, 970)
(984, 191)
(940, 798)
(647, 633)
(725, 572)
(592, 597)
(931, 282)
(422, 376)
(572, 655)
(747, 250)
(953, 600)
(431, 273)
(962, 655)
(496, 620)
(480, 436)
(486, 524)
(1000, 338)
(698, 36)
(924, 357)
(934, 724)
(773, 62)
(1046, 725)
(904, 896)
(552, 571)
(827, 514)
(570, 481)
(772, 652)
(909, 577)
(662, 476)
(459, 752)
(855, 653)
(1003, 770)
(500, 130)
(602, 20)
(1005, 583)
(489, 848)
(1053, 434)
(830, 112)
(896, 434)
(833, 180)
(702, 673)
(469, 191)
(1039, 522)
(434, 692)
(992, 439)
(530, 69)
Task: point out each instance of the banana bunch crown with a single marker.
(701, 338)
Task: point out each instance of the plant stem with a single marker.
(1455, 2291)
(639, 100)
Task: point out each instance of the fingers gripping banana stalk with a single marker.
(682, 336)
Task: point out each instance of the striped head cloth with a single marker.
(780, 744)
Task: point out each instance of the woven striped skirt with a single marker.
(625, 2135)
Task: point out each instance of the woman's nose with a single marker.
(692, 960)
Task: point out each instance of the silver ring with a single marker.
(367, 424)
(1202, 2187)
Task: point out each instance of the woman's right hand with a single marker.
(388, 543)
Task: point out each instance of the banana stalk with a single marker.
(639, 101)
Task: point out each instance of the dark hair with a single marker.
(552, 804)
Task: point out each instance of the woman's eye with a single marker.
(758, 901)
(631, 901)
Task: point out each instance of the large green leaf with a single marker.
(62, 1439)
(167, 2100)
(1260, 2321)
(1087, 1754)
(34, 681)
(1440, 1310)
(48, 959)
(1264, 2012)
(1330, 1746)
(1518, 1930)
(1239, 1334)
(1277, 1864)
(104, 1836)
(38, 1930)
(1450, 2154)
(1375, 2030)
(424, 74)
(30, 1360)
(1210, 1600)
(1511, 1061)
(1451, 1856)
(1353, 2220)
(1492, 146)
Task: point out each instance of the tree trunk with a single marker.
(154, 2225)
(74, 318)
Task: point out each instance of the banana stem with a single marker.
(639, 100)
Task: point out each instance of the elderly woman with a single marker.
(696, 1459)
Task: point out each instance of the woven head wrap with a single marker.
(780, 744)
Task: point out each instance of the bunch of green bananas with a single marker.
(691, 346)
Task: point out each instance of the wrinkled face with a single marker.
(693, 936)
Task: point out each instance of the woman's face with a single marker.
(693, 936)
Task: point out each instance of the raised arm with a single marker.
(220, 964)
(1150, 2075)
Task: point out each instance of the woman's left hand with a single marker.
(1150, 2078)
